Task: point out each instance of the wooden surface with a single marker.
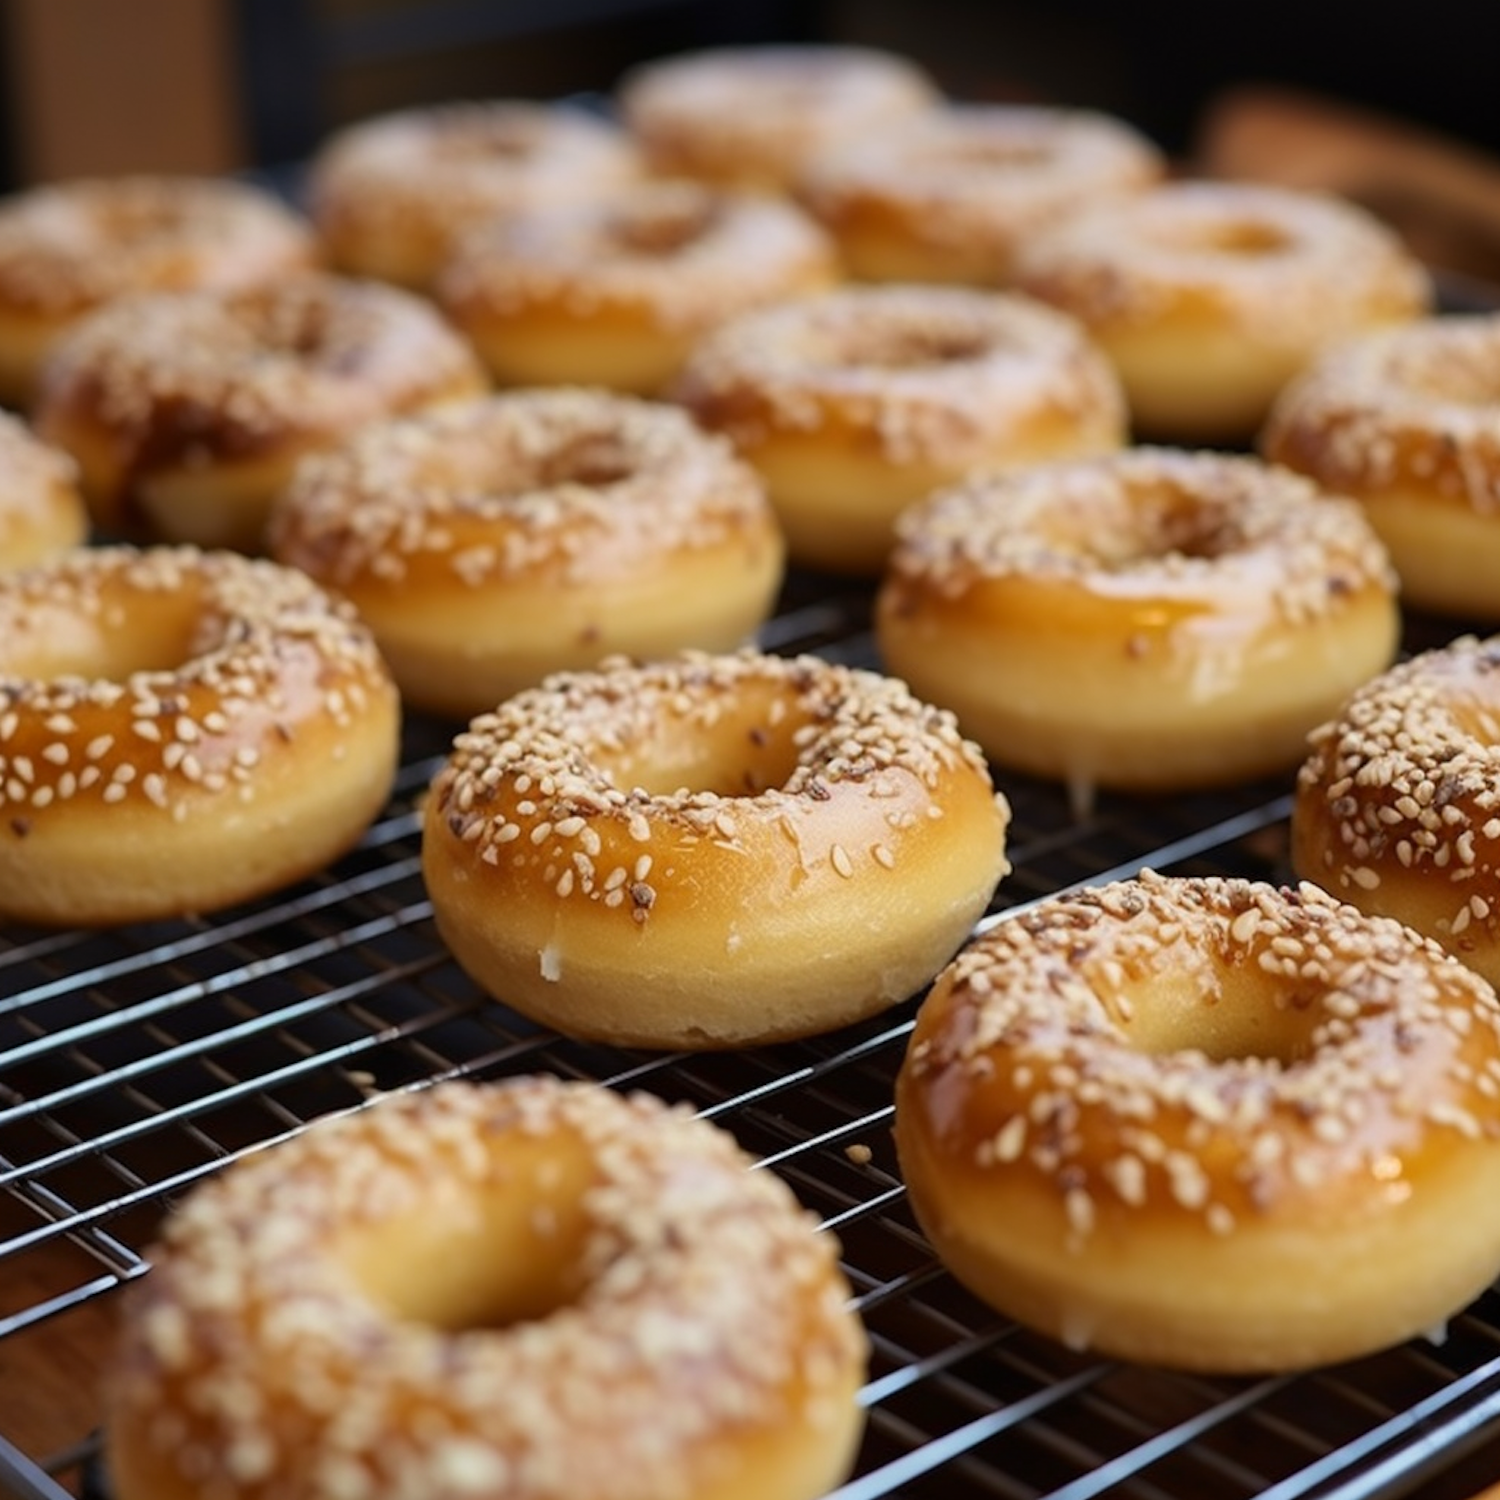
(108, 86)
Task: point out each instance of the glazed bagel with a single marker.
(41, 507)
(1396, 803)
(497, 540)
(179, 731)
(532, 1290)
(616, 292)
(1150, 620)
(390, 196)
(953, 195)
(1405, 421)
(1210, 296)
(710, 852)
(1208, 1123)
(750, 116)
(855, 403)
(187, 411)
(67, 248)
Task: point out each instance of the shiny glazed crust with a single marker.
(186, 411)
(616, 292)
(751, 116)
(534, 1289)
(392, 196)
(496, 540)
(855, 403)
(710, 851)
(1151, 620)
(1407, 421)
(180, 731)
(953, 195)
(1397, 807)
(68, 248)
(1210, 296)
(41, 507)
(1208, 1123)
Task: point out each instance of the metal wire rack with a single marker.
(134, 1062)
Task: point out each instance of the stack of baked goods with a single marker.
(522, 423)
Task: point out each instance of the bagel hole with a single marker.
(663, 226)
(1228, 1016)
(911, 348)
(487, 1259)
(1145, 525)
(996, 155)
(483, 139)
(149, 633)
(590, 460)
(748, 748)
(1241, 237)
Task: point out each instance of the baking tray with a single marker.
(135, 1062)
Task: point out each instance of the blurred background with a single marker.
(1392, 104)
(106, 85)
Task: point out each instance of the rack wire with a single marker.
(134, 1062)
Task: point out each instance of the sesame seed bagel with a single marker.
(187, 411)
(1397, 806)
(710, 851)
(952, 195)
(856, 402)
(67, 248)
(530, 1290)
(41, 507)
(1407, 421)
(493, 541)
(750, 116)
(392, 195)
(1210, 296)
(1208, 1123)
(179, 731)
(615, 292)
(1148, 620)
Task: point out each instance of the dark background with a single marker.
(189, 83)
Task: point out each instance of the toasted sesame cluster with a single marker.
(531, 481)
(1210, 296)
(858, 402)
(698, 1333)
(187, 411)
(491, 542)
(1149, 619)
(955, 195)
(616, 291)
(558, 747)
(68, 248)
(1406, 421)
(1208, 1071)
(753, 117)
(710, 850)
(189, 701)
(1398, 803)
(928, 373)
(391, 196)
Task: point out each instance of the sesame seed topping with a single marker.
(567, 485)
(1190, 526)
(932, 375)
(674, 1261)
(1404, 779)
(1230, 1089)
(587, 737)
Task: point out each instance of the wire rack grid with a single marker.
(134, 1062)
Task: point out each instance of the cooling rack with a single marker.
(135, 1062)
